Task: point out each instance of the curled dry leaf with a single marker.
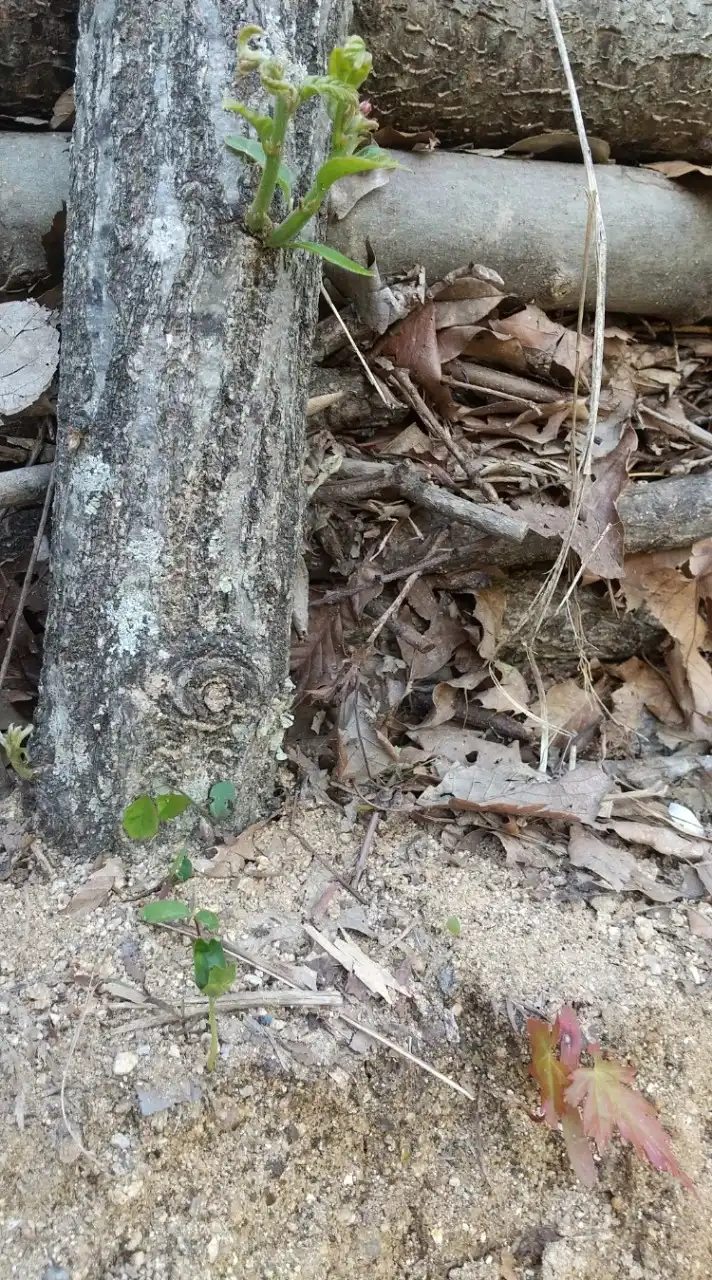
(673, 599)
(517, 789)
(569, 709)
(363, 751)
(616, 867)
(97, 888)
(665, 841)
(643, 687)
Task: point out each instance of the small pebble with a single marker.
(644, 928)
(125, 1063)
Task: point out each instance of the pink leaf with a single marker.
(606, 1099)
(579, 1152)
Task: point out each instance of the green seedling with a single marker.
(212, 973)
(181, 868)
(349, 65)
(221, 799)
(13, 742)
(453, 926)
(144, 816)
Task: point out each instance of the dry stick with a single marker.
(497, 521)
(369, 374)
(392, 608)
(595, 221)
(416, 401)
(341, 879)
(27, 580)
(274, 997)
(410, 1057)
(65, 1074)
(688, 430)
(365, 847)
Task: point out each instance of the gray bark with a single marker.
(527, 220)
(183, 384)
(487, 71)
(484, 72)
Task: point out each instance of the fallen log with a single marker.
(525, 218)
(487, 73)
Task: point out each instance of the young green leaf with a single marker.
(247, 147)
(221, 798)
(208, 919)
(220, 980)
(343, 166)
(333, 256)
(453, 926)
(141, 819)
(163, 910)
(262, 124)
(181, 868)
(14, 743)
(170, 804)
(604, 1094)
(209, 956)
(250, 147)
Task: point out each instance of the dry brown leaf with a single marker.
(549, 348)
(363, 751)
(348, 954)
(563, 141)
(97, 888)
(663, 840)
(489, 611)
(448, 742)
(29, 353)
(231, 857)
(420, 140)
(412, 344)
(443, 637)
(673, 600)
(318, 659)
(643, 687)
(518, 789)
(408, 442)
(679, 168)
(700, 925)
(510, 693)
(615, 866)
(569, 708)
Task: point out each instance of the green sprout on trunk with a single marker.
(349, 65)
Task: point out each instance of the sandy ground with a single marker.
(311, 1152)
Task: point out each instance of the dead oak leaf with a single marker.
(617, 867)
(520, 790)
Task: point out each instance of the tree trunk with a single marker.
(486, 72)
(185, 364)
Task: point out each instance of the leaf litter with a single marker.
(410, 718)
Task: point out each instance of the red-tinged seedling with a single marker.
(593, 1101)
